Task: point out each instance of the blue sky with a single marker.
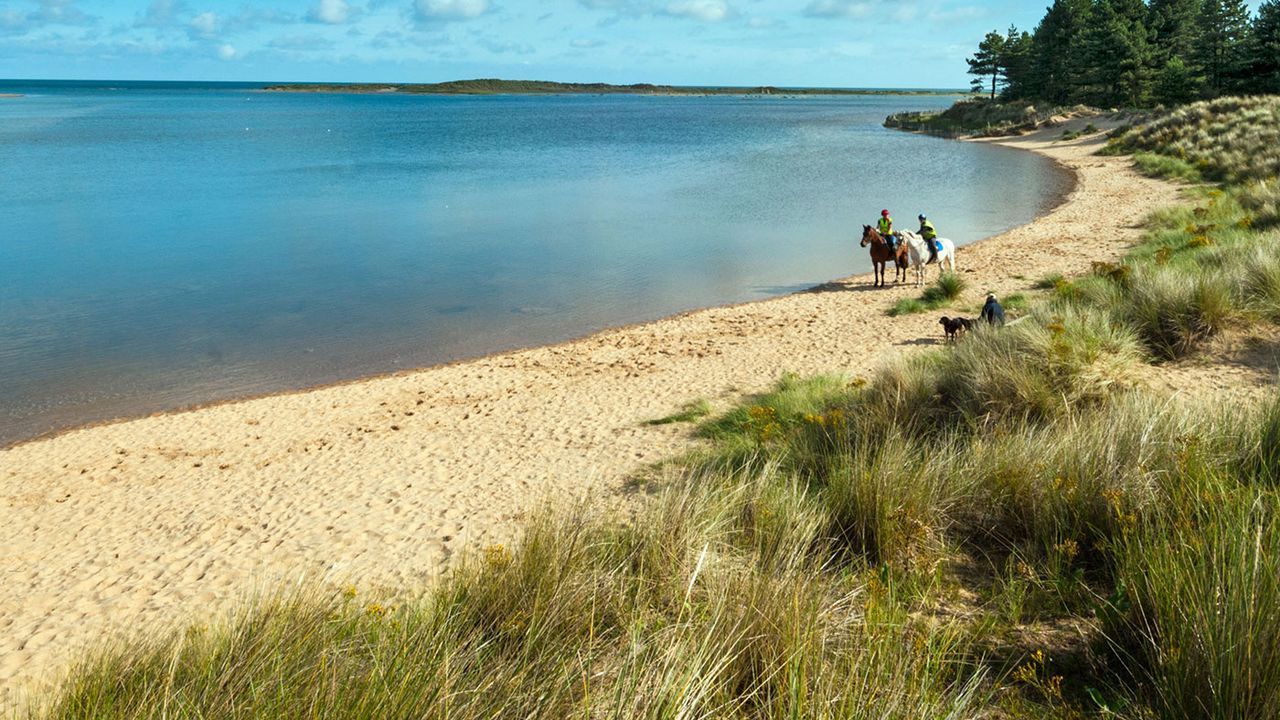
(839, 43)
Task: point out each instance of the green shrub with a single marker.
(1163, 166)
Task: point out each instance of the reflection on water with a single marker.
(185, 244)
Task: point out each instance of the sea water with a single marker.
(165, 244)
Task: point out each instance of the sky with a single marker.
(810, 43)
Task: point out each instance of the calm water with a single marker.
(163, 245)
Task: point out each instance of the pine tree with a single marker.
(1058, 54)
(1264, 70)
(1176, 83)
(1174, 29)
(987, 62)
(1223, 45)
(1017, 58)
(1117, 53)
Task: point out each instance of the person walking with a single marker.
(930, 235)
(992, 312)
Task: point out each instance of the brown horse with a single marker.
(881, 255)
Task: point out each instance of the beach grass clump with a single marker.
(908, 306)
(1259, 268)
(1050, 281)
(946, 289)
(1174, 310)
(1017, 303)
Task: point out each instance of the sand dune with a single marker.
(152, 521)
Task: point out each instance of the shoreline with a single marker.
(1052, 203)
(381, 481)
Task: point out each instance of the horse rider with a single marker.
(885, 227)
(930, 235)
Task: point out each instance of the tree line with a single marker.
(1134, 53)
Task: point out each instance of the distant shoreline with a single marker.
(540, 87)
(10, 95)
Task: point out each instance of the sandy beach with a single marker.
(140, 524)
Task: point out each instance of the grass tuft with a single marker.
(947, 288)
(691, 412)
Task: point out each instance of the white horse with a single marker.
(918, 252)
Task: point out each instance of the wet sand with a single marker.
(136, 525)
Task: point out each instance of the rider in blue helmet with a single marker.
(930, 236)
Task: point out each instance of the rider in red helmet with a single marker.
(885, 226)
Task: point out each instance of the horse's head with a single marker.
(869, 235)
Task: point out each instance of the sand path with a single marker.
(147, 522)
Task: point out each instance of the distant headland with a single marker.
(491, 86)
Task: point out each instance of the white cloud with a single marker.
(206, 24)
(585, 44)
(332, 12)
(227, 52)
(704, 10)
(445, 10)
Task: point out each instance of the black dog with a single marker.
(954, 326)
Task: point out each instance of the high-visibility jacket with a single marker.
(926, 230)
(886, 225)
